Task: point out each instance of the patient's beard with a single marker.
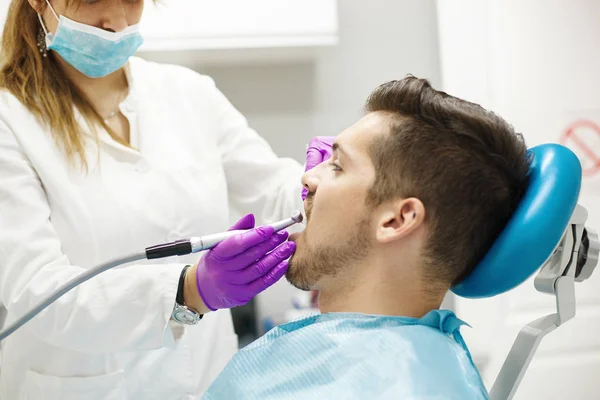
(311, 263)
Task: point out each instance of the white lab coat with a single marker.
(111, 338)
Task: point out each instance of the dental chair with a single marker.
(547, 235)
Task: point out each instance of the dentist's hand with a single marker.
(240, 267)
(319, 150)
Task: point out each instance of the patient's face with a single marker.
(339, 229)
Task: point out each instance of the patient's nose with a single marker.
(310, 180)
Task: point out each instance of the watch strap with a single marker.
(179, 299)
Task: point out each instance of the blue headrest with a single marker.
(535, 228)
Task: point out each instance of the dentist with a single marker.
(103, 154)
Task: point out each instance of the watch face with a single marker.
(185, 316)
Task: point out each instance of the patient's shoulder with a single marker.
(414, 360)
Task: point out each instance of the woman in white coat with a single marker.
(101, 155)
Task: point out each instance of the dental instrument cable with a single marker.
(176, 248)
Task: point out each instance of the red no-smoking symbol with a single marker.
(583, 137)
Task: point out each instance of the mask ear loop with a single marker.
(52, 9)
(42, 21)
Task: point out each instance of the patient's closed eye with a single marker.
(335, 166)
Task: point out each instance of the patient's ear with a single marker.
(398, 219)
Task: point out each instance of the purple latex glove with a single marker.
(244, 265)
(319, 150)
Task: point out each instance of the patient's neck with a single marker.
(375, 291)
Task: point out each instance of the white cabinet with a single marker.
(183, 25)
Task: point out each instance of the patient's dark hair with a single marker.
(467, 165)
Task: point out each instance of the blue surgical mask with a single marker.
(92, 51)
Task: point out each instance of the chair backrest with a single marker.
(535, 228)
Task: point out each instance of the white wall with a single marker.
(537, 64)
(289, 103)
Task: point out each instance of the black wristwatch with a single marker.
(181, 313)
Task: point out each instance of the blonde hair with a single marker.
(41, 85)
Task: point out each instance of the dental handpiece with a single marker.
(196, 244)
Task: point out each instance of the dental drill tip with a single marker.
(297, 216)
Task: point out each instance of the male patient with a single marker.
(414, 195)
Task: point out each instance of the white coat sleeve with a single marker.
(258, 181)
(119, 310)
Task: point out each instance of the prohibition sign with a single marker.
(583, 137)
